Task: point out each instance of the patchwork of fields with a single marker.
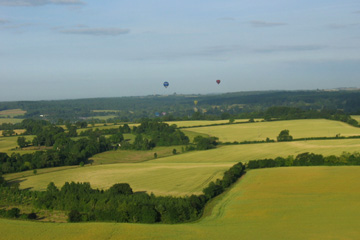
(278, 203)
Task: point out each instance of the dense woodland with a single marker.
(219, 106)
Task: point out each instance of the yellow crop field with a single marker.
(246, 152)
(17, 131)
(279, 203)
(161, 179)
(263, 130)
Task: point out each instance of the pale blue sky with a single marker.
(60, 49)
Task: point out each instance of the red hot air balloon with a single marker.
(218, 81)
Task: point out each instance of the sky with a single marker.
(70, 49)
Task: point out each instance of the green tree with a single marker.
(120, 188)
(204, 143)
(284, 136)
(21, 141)
(8, 133)
(74, 216)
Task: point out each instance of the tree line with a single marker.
(175, 107)
(307, 159)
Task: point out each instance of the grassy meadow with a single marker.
(132, 156)
(356, 117)
(262, 130)
(279, 203)
(9, 144)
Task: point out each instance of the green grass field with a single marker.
(279, 203)
(356, 117)
(132, 156)
(262, 130)
(9, 143)
(10, 120)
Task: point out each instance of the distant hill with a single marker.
(177, 105)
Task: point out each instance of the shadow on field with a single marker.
(16, 183)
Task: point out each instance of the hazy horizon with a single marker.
(74, 49)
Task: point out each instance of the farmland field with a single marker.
(10, 120)
(162, 179)
(17, 131)
(9, 143)
(263, 130)
(279, 203)
(132, 156)
(247, 152)
(12, 112)
(205, 122)
(356, 117)
(173, 174)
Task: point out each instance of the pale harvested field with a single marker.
(17, 131)
(280, 203)
(262, 130)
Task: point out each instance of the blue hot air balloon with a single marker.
(166, 84)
